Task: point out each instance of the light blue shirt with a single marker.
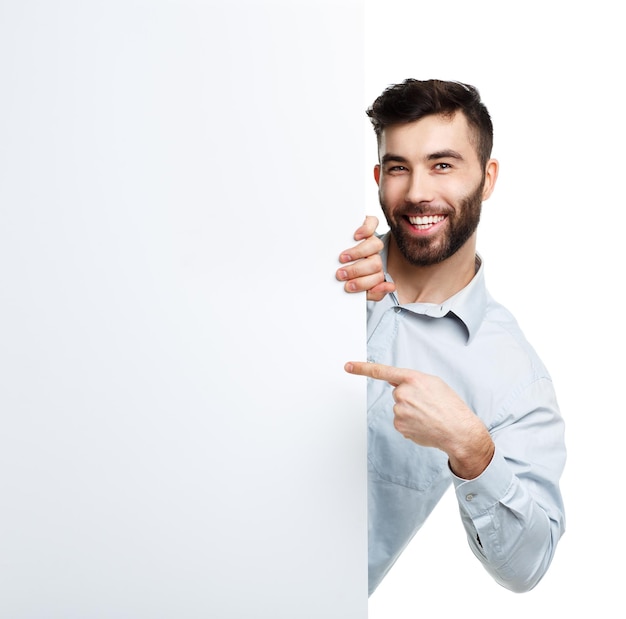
(513, 512)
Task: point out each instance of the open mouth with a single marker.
(425, 222)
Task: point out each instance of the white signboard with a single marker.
(177, 435)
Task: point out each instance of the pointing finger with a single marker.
(393, 376)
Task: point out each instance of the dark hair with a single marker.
(414, 99)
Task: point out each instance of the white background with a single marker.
(88, 98)
(178, 438)
(552, 239)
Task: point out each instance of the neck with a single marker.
(434, 283)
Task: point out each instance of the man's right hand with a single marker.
(363, 267)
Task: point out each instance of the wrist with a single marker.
(473, 456)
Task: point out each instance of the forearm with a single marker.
(471, 455)
(511, 532)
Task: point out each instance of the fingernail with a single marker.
(349, 367)
(345, 258)
(342, 274)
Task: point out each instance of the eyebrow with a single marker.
(391, 157)
(447, 153)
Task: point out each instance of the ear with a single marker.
(377, 173)
(491, 175)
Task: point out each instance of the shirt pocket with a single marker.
(396, 459)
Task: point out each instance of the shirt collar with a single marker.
(468, 305)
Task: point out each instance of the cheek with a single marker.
(390, 192)
(455, 192)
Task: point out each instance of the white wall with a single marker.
(177, 435)
(552, 239)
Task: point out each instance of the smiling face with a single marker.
(431, 186)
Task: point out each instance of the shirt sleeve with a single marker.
(513, 512)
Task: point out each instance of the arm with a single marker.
(363, 269)
(506, 481)
(513, 512)
(430, 413)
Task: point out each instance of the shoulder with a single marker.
(500, 323)
(521, 382)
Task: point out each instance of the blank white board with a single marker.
(177, 435)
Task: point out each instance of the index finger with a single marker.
(392, 375)
(371, 246)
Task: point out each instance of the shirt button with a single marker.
(397, 310)
(469, 497)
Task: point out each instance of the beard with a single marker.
(462, 221)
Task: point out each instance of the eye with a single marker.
(396, 168)
(443, 166)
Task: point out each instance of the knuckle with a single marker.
(415, 380)
(375, 296)
(379, 373)
(355, 270)
(376, 261)
(402, 390)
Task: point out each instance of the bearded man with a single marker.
(456, 394)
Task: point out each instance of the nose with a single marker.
(420, 188)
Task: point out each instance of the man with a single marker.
(456, 395)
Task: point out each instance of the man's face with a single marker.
(431, 186)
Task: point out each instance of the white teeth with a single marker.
(426, 221)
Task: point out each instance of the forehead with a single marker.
(428, 135)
